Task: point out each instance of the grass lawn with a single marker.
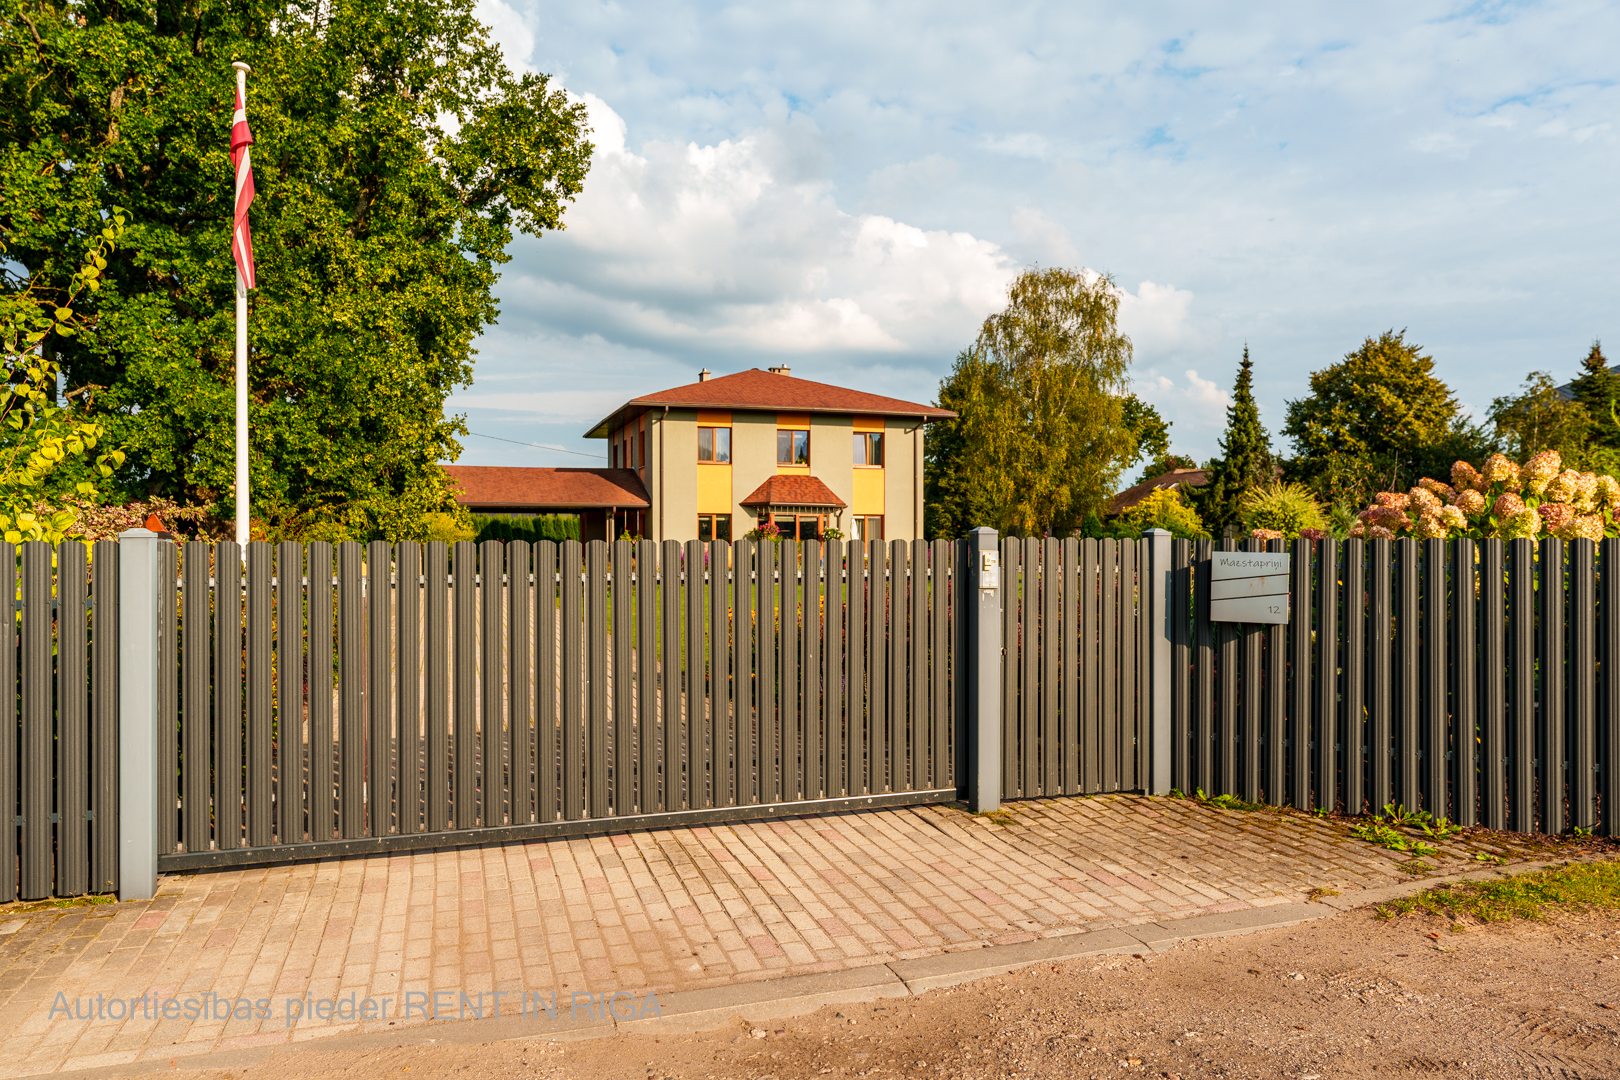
(1584, 886)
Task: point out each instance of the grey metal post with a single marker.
(1157, 596)
(984, 672)
(137, 714)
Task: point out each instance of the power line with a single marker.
(539, 446)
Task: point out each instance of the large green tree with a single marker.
(395, 154)
(1046, 424)
(1378, 420)
(1245, 462)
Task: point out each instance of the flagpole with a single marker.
(242, 493)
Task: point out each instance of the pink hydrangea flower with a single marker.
(1586, 492)
(1443, 491)
(1609, 491)
(1585, 527)
(1425, 501)
(1378, 532)
(1265, 534)
(1507, 505)
(1464, 478)
(1555, 515)
(1393, 498)
(1470, 502)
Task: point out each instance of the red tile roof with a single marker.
(1185, 478)
(497, 487)
(756, 389)
(793, 489)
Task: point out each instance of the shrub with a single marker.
(553, 527)
(1282, 512)
(1162, 509)
(445, 529)
(1499, 500)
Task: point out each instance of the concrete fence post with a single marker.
(137, 714)
(984, 672)
(1156, 596)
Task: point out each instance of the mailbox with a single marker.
(989, 570)
(1249, 587)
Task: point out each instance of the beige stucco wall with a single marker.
(675, 498)
(753, 461)
(832, 460)
(900, 479)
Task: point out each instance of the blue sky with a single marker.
(847, 188)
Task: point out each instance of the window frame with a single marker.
(714, 458)
(714, 523)
(793, 441)
(865, 442)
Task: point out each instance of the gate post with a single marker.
(984, 672)
(1160, 634)
(137, 714)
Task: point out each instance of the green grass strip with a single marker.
(1584, 886)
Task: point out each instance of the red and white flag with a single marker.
(241, 238)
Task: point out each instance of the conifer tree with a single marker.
(1245, 460)
(1597, 387)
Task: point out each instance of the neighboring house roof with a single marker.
(1173, 479)
(756, 389)
(496, 487)
(793, 489)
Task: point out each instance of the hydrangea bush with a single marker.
(1500, 500)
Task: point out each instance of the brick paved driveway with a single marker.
(669, 910)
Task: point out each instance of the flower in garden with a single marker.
(1585, 527)
(1556, 515)
(1560, 488)
(1265, 534)
(1524, 525)
(1393, 498)
(1378, 532)
(1609, 491)
(1540, 470)
(1443, 491)
(1499, 470)
(1507, 505)
(1315, 534)
(1425, 501)
(1453, 518)
(1470, 502)
(1586, 492)
(1463, 477)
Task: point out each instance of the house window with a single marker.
(798, 526)
(869, 448)
(869, 527)
(714, 526)
(792, 447)
(714, 444)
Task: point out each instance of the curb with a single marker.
(690, 1011)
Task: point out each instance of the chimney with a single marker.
(703, 376)
(780, 370)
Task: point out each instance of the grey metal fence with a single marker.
(338, 700)
(1074, 666)
(58, 764)
(1479, 681)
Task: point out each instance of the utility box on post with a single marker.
(1249, 587)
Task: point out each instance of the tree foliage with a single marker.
(1540, 418)
(1245, 462)
(1377, 419)
(46, 438)
(1597, 390)
(395, 156)
(1046, 424)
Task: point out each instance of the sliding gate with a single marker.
(330, 701)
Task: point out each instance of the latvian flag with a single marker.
(241, 239)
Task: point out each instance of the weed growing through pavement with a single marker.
(1227, 802)
(1385, 836)
(1573, 886)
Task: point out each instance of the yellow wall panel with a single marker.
(713, 488)
(868, 493)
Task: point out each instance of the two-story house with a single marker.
(713, 459)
